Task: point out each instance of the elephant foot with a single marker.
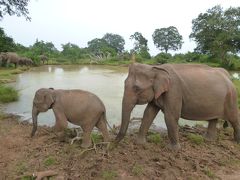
(210, 136)
(174, 147)
(140, 140)
(237, 136)
(86, 144)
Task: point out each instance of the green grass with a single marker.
(155, 138)
(21, 167)
(195, 138)
(97, 138)
(237, 85)
(209, 173)
(137, 170)
(49, 161)
(109, 175)
(8, 94)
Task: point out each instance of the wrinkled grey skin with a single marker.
(193, 92)
(3, 58)
(79, 107)
(25, 61)
(43, 58)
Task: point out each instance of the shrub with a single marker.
(195, 138)
(8, 94)
(155, 138)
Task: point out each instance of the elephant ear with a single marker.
(50, 98)
(161, 82)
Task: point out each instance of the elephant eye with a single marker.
(136, 88)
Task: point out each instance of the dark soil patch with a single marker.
(21, 156)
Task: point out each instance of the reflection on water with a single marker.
(236, 75)
(107, 82)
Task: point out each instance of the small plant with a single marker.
(195, 138)
(49, 161)
(97, 138)
(137, 170)
(108, 175)
(21, 167)
(208, 172)
(28, 178)
(8, 94)
(155, 138)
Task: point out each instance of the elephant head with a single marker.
(144, 84)
(3, 58)
(43, 100)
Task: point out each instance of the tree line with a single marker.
(216, 33)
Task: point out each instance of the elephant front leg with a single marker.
(148, 117)
(211, 133)
(60, 124)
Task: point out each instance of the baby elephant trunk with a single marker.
(35, 113)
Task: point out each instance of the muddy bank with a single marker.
(21, 156)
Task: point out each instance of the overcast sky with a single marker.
(79, 21)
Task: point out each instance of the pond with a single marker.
(107, 82)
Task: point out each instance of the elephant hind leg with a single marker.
(86, 139)
(233, 117)
(236, 127)
(211, 133)
(102, 126)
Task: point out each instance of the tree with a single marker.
(41, 47)
(73, 51)
(100, 48)
(140, 45)
(115, 41)
(6, 43)
(217, 32)
(167, 39)
(14, 7)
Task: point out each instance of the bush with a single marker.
(163, 58)
(8, 94)
(195, 138)
(155, 138)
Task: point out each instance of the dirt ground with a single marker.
(22, 156)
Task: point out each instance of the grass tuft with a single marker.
(49, 161)
(109, 175)
(155, 138)
(137, 170)
(209, 173)
(8, 94)
(97, 138)
(195, 138)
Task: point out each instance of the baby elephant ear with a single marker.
(161, 82)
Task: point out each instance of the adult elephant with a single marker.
(43, 58)
(12, 58)
(193, 92)
(3, 58)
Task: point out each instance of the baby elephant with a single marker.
(76, 106)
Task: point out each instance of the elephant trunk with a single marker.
(127, 106)
(35, 113)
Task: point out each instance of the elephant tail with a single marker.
(104, 117)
